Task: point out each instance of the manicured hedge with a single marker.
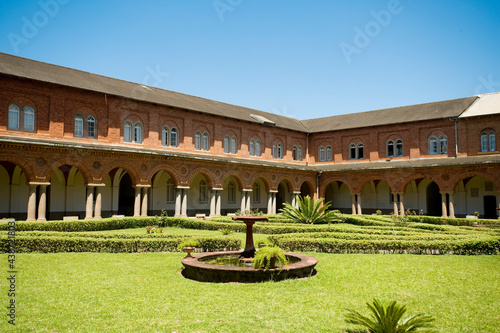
(452, 221)
(464, 247)
(53, 243)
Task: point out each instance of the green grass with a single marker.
(130, 292)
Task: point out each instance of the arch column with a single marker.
(181, 200)
(353, 204)
(178, 201)
(271, 202)
(295, 202)
(395, 202)
(144, 204)
(215, 201)
(137, 201)
(42, 203)
(443, 204)
(360, 212)
(401, 203)
(89, 207)
(98, 201)
(452, 204)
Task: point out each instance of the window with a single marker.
(297, 153)
(226, 144)
(206, 142)
(390, 148)
(275, 150)
(197, 141)
(279, 151)
(78, 126)
(433, 146)
(443, 144)
(256, 192)
(13, 117)
(230, 192)
(321, 154)
(138, 133)
(170, 191)
(251, 147)
(127, 132)
(356, 152)
(233, 145)
(169, 137)
(257, 148)
(90, 127)
(203, 192)
(329, 153)
(29, 119)
(399, 148)
(488, 141)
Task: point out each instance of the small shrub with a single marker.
(269, 257)
(226, 231)
(188, 243)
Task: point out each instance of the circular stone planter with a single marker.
(196, 269)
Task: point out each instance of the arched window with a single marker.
(256, 192)
(492, 143)
(390, 149)
(127, 132)
(297, 153)
(29, 119)
(91, 126)
(399, 148)
(294, 153)
(226, 144)
(361, 151)
(206, 142)
(329, 153)
(203, 192)
(280, 151)
(257, 148)
(352, 151)
(173, 137)
(13, 122)
(275, 150)
(138, 133)
(233, 145)
(488, 141)
(164, 136)
(78, 132)
(170, 191)
(197, 141)
(321, 154)
(433, 146)
(230, 192)
(251, 147)
(443, 144)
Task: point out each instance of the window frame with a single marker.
(329, 153)
(14, 109)
(127, 131)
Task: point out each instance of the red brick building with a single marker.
(79, 144)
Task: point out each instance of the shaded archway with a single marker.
(126, 196)
(339, 196)
(433, 199)
(305, 190)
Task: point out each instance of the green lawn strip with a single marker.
(99, 292)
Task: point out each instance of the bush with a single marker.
(269, 257)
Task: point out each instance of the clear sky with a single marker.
(304, 59)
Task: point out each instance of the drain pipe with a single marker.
(317, 184)
(456, 135)
(307, 149)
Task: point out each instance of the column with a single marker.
(295, 202)
(396, 210)
(212, 202)
(249, 198)
(116, 198)
(353, 203)
(178, 200)
(498, 203)
(144, 205)
(452, 204)
(401, 203)
(243, 201)
(89, 207)
(217, 202)
(32, 203)
(443, 204)
(274, 203)
(360, 212)
(98, 202)
(269, 202)
(42, 204)
(184, 202)
(137, 201)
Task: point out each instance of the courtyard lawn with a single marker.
(144, 292)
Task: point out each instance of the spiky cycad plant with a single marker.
(389, 319)
(308, 211)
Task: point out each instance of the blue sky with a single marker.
(304, 59)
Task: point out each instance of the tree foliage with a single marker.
(389, 319)
(308, 211)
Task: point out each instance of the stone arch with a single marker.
(70, 162)
(462, 176)
(312, 186)
(129, 168)
(168, 169)
(265, 179)
(22, 164)
(205, 172)
(325, 183)
(288, 181)
(417, 176)
(236, 176)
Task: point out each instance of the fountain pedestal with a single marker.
(249, 251)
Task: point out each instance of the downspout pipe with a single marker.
(317, 183)
(456, 135)
(307, 149)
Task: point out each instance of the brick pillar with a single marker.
(32, 203)
(452, 204)
(396, 210)
(137, 201)
(443, 204)
(42, 203)
(89, 207)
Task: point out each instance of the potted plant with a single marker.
(269, 257)
(188, 246)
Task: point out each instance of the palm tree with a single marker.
(389, 319)
(308, 211)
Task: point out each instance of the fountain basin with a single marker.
(196, 269)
